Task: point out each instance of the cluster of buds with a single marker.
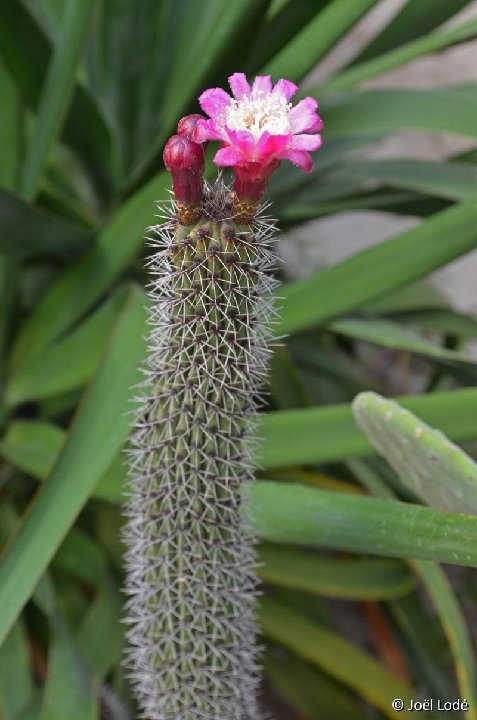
(257, 128)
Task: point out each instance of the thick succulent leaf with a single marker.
(427, 462)
(291, 513)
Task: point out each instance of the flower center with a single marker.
(259, 112)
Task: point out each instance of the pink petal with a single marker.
(303, 116)
(262, 83)
(227, 156)
(285, 88)
(305, 142)
(270, 146)
(239, 85)
(214, 102)
(300, 158)
(206, 130)
(319, 125)
(243, 141)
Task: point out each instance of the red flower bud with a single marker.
(188, 124)
(185, 161)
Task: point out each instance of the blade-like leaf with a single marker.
(325, 434)
(395, 58)
(452, 619)
(34, 447)
(98, 432)
(57, 92)
(338, 657)
(304, 51)
(449, 110)
(290, 513)
(388, 333)
(374, 272)
(27, 231)
(80, 286)
(453, 181)
(334, 577)
(413, 21)
(69, 363)
(69, 692)
(313, 694)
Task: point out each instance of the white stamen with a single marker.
(259, 112)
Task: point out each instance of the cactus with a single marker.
(190, 560)
(427, 462)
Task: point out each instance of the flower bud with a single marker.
(185, 161)
(187, 125)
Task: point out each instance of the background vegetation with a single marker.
(90, 92)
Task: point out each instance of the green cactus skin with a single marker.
(427, 462)
(190, 560)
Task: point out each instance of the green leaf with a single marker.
(318, 36)
(79, 556)
(449, 110)
(457, 632)
(387, 333)
(451, 180)
(297, 514)
(34, 447)
(426, 461)
(11, 130)
(27, 231)
(57, 91)
(16, 683)
(395, 58)
(335, 577)
(69, 692)
(325, 434)
(336, 656)
(377, 271)
(80, 286)
(69, 363)
(412, 21)
(26, 52)
(312, 694)
(98, 431)
(100, 637)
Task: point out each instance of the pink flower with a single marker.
(258, 128)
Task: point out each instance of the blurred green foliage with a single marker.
(90, 92)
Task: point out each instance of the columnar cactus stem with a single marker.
(191, 559)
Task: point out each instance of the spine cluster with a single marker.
(190, 560)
